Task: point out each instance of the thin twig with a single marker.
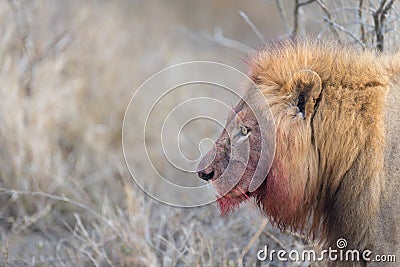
(252, 26)
(298, 5)
(220, 39)
(320, 34)
(282, 13)
(360, 17)
(305, 3)
(276, 240)
(94, 245)
(346, 31)
(378, 26)
(325, 9)
(14, 192)
(379, 22)
(34, 218)
(59, 259)
(251, 242)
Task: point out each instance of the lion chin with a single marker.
(230, 202)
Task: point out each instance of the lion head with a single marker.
(324, 148)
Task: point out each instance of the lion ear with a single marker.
(308, 85)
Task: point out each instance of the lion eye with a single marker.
(241, 135)
(244, 130)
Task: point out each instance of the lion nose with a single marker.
(203, 174)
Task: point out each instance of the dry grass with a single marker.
(67, 72)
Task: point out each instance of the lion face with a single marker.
(231, 164)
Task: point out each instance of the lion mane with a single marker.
(335, 174)
(335, 166)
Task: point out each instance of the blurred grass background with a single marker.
(67, 72)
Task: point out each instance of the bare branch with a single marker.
(252, 26)
(330, 18)
(379, 21)
(360, 17)
(333, 24)
(320, 34)
(282, 13)
(220, 39)
(298, 5)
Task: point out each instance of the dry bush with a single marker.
(366, 23)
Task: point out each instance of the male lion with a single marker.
(335, 170)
